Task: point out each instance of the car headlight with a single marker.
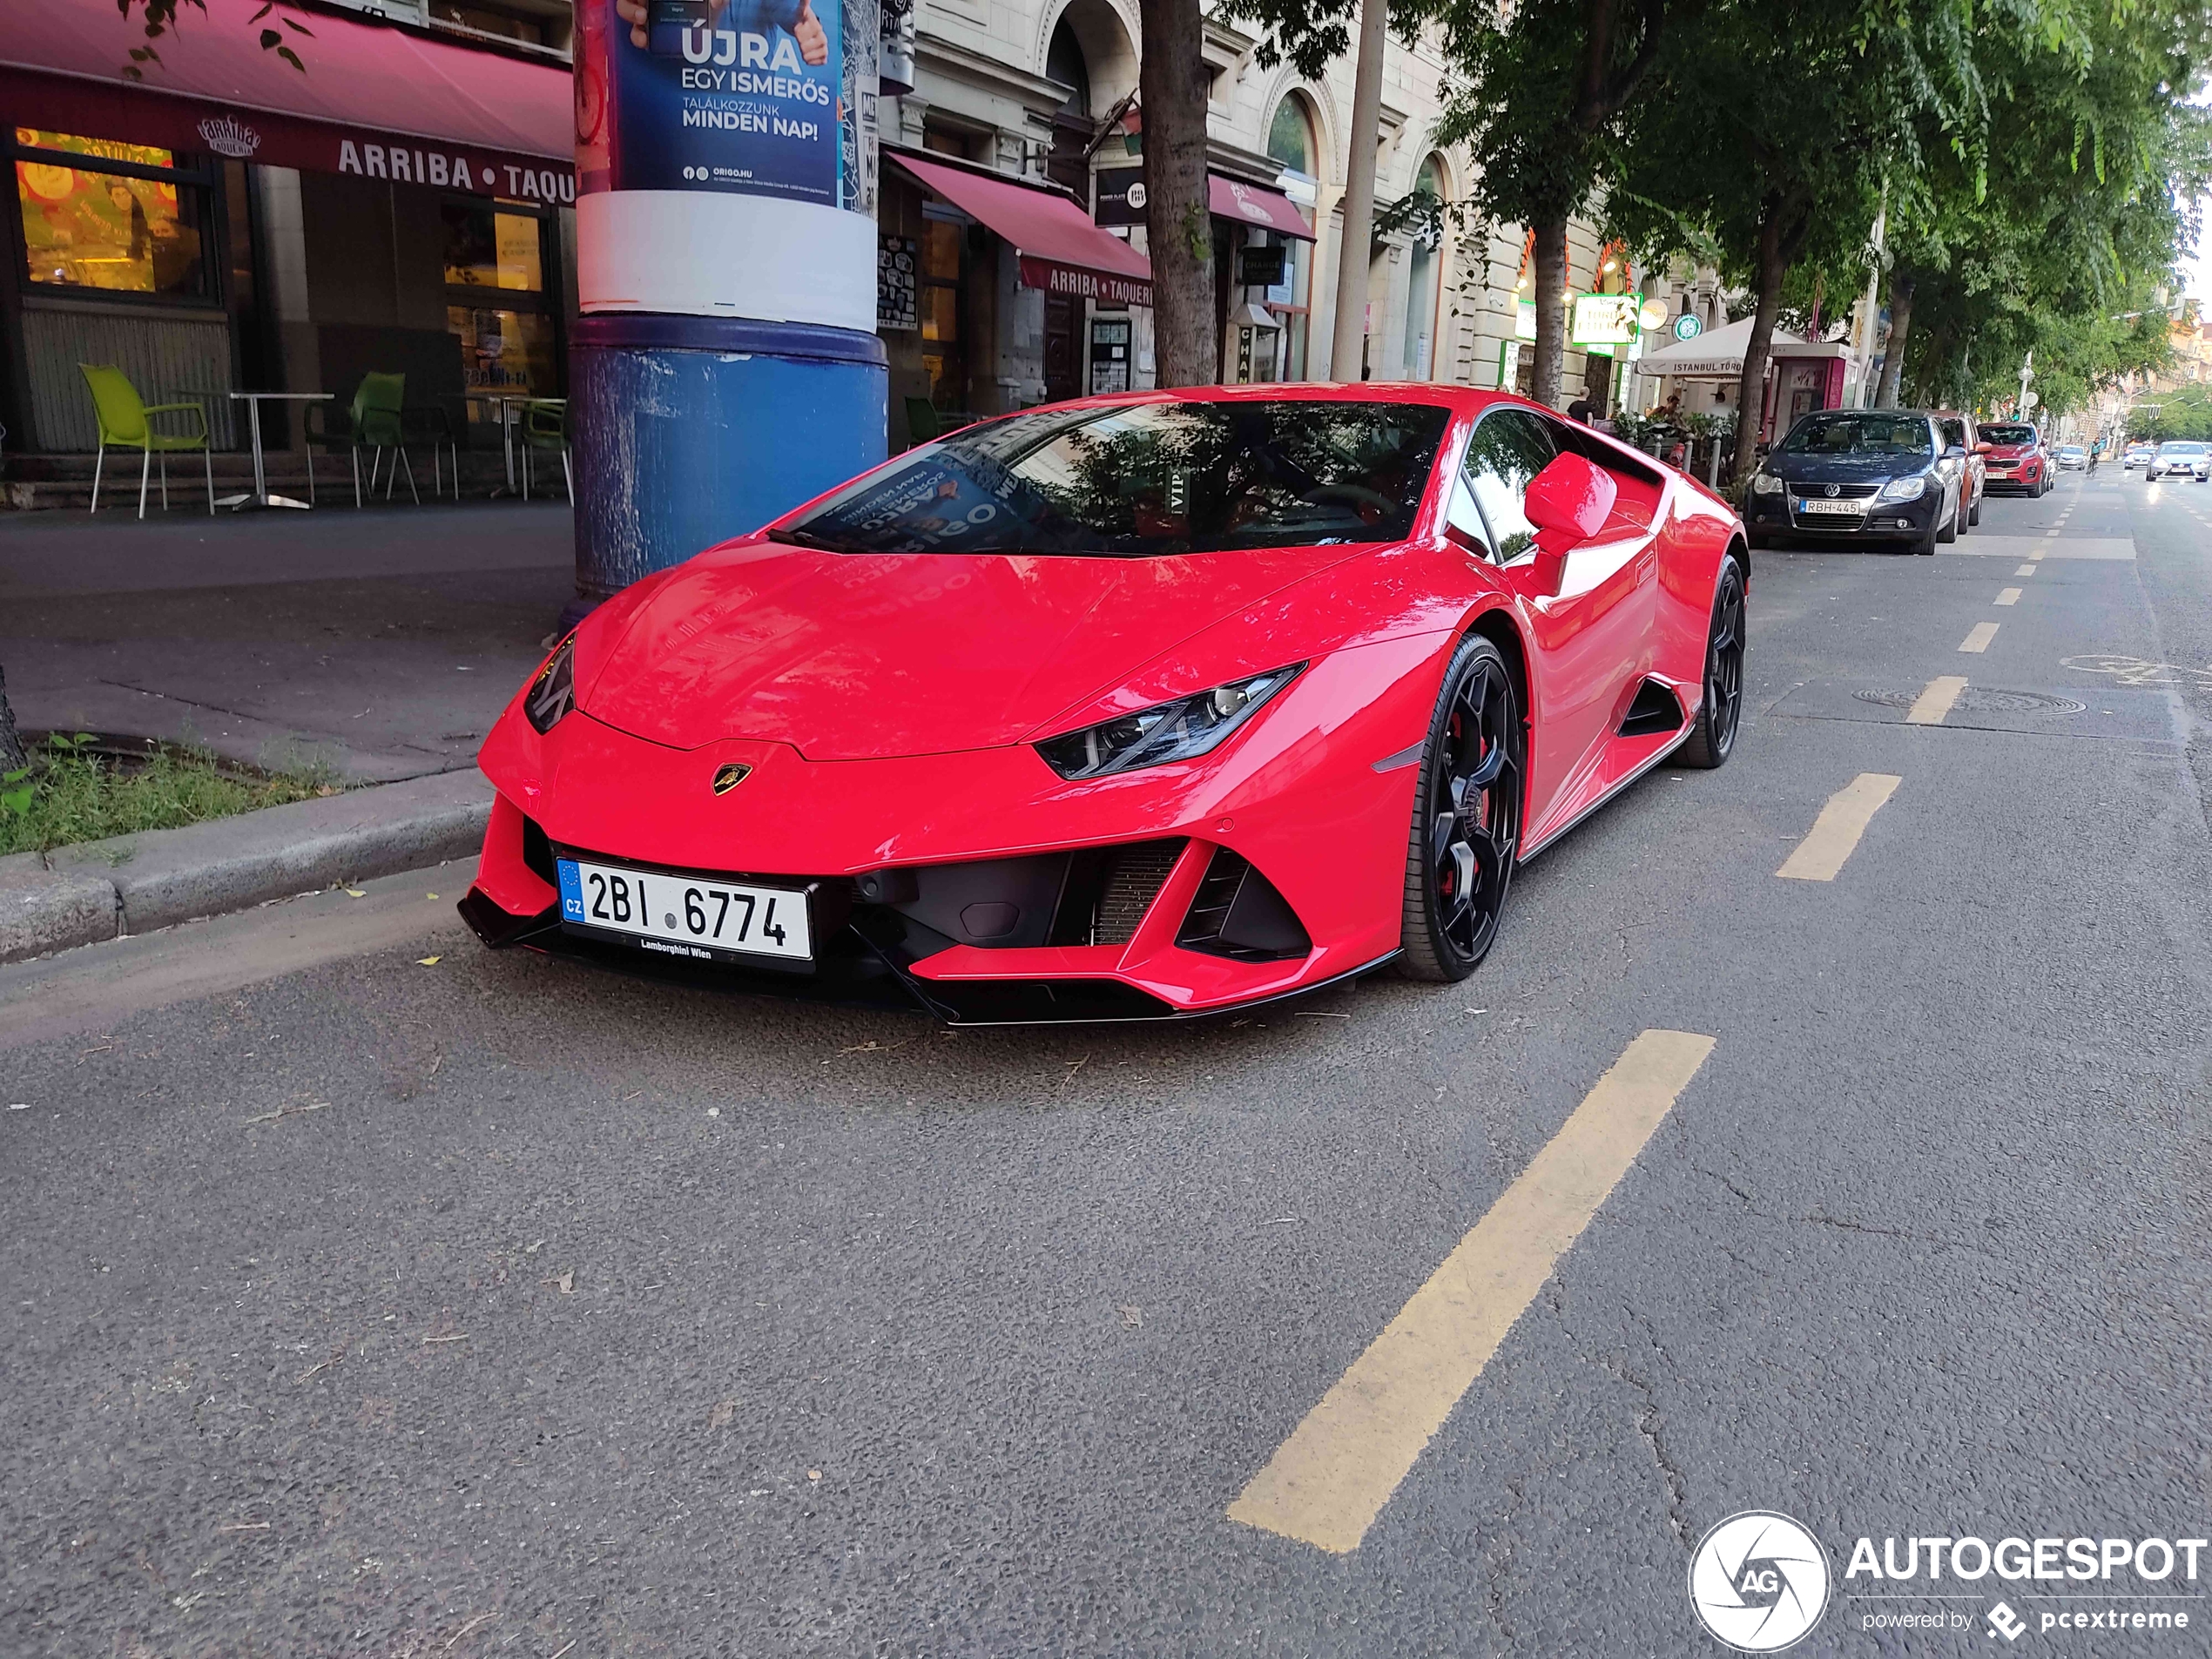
(1765, 484)
(1179, 730)
(551, 692)
(1904, 488)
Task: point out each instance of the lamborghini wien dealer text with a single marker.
(1142, 706)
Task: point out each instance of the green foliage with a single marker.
(71, 792)
(160, 18)
(2061, 238)
(2183, 413)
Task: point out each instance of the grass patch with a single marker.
(80, 790)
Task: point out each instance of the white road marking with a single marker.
(1977, 636)
(1328, 1481)
(2008, 596)
(1930, 707)
(1834, 833)
(2025, 570)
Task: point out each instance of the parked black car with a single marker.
(1861, 476)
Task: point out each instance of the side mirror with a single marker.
(1984, 448)
(1568, 503)
(1956, 452)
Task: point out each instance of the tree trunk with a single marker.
(1550, 262)
(1348, 337)
(1750, 390)
(1901, 285)
(12, 757)
(1172, 87)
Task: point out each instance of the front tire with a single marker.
(1974, 519)
(1712, 735)
(1467, 805)
(1950, 532)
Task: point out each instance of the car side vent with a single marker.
(1133, 877)
(537, 854)
(1656, 710)
(1237, 913)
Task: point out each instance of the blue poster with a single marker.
(741, 96)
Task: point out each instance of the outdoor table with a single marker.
(261, 495)
(503, 406)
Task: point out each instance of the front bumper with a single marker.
(1876, 521)
(978, 887)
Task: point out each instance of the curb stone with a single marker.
(133, 884)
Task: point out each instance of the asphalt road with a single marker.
(358, 1303)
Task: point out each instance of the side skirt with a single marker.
(1650, 761)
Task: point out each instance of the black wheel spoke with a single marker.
(1476, 802)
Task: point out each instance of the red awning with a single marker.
(1245, 204)
(1061, 251)
(373, 99)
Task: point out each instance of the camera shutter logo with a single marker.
(1759, 1581)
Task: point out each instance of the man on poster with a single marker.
(745, 17)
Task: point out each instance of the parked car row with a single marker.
(1915, 476)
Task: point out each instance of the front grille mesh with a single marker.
(1133, 881)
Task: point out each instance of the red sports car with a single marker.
(1140, 706)
(2015, 457)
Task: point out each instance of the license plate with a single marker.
(692, 916)
(1840, 509)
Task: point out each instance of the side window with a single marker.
(1954, 433)
(1508, 450)
(1463, 516)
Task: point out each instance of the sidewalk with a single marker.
(382, 643)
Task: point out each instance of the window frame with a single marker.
(1561, 443)
(544, 300)
(192, 171)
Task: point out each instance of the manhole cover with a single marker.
(1981, 700)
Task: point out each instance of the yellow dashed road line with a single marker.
(1325, 1485)
(1977, 636)
(1930, 707)
(2008, 596)
(1829, 844)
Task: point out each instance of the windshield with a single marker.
(1144, 480)
(2008, 435)
(2181, 449)
(2073, 449)
(1856, 432)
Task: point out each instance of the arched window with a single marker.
(1289, 138)
(1421, 287)
(1063, 61)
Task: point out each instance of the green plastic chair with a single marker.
(545, 426)
(922, 425)
(125, 421)
(379, 403)
(332, 428)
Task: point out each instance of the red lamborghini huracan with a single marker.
(1140, 706)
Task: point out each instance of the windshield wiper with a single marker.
(802, 538)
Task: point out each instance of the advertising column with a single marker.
(726, 365)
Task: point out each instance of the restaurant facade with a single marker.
(403, 202)
(220, 220)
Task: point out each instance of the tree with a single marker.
(1311, 34)
(1763, 138)
(1172, 87)
(1538, 90)
(2064, 240)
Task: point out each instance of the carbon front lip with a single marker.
(855, 970)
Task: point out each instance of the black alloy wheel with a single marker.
(1467, 808)
(1712, 735)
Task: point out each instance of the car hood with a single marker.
(849, 657)
(2011, 451)
(1844, 468)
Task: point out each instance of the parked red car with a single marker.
(1133, 707)
(2017, 459)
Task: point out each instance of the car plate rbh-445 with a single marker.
(687, 916)
(1833, 509)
